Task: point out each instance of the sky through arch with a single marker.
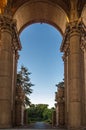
(41, 55)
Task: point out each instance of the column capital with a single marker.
(73, 28)
(6, 23)
(9, 25)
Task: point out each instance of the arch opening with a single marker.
(41, 55)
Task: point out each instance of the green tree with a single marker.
(47, 114)
(40, 112)
(23, 80)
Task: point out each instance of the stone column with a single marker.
(65, 48)
(54, 119)
(15, 47)
(14, 79)
(6, 61)
(61, 106)
(19, 107)
(66, 88)
(75, 74)
(56, 108)
(83, 48)
(7, 34)
(75, 78)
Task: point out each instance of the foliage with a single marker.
(60, 84)
(23, 80)
(40, 112)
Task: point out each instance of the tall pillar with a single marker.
(65, 48)
(14, 79)
(5, 73)
(66, 77)
(7, 34)
(75, 75)
(54, 118)
(83, 48)
(19, 106)
(75, 78)
(60, 106)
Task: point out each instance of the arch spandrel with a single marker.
(40, 11)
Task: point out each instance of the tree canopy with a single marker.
(40, 112)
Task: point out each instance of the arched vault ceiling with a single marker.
(64, 4)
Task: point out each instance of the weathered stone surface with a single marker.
(69, 17)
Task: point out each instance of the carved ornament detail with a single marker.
(9, 25)
(83, 37)
(73, 28)
(65, 47)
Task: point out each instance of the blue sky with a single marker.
(41, 55)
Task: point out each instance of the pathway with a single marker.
(37, 126)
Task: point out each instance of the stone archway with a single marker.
(73, 46)
(41, 11)
(35, 15)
